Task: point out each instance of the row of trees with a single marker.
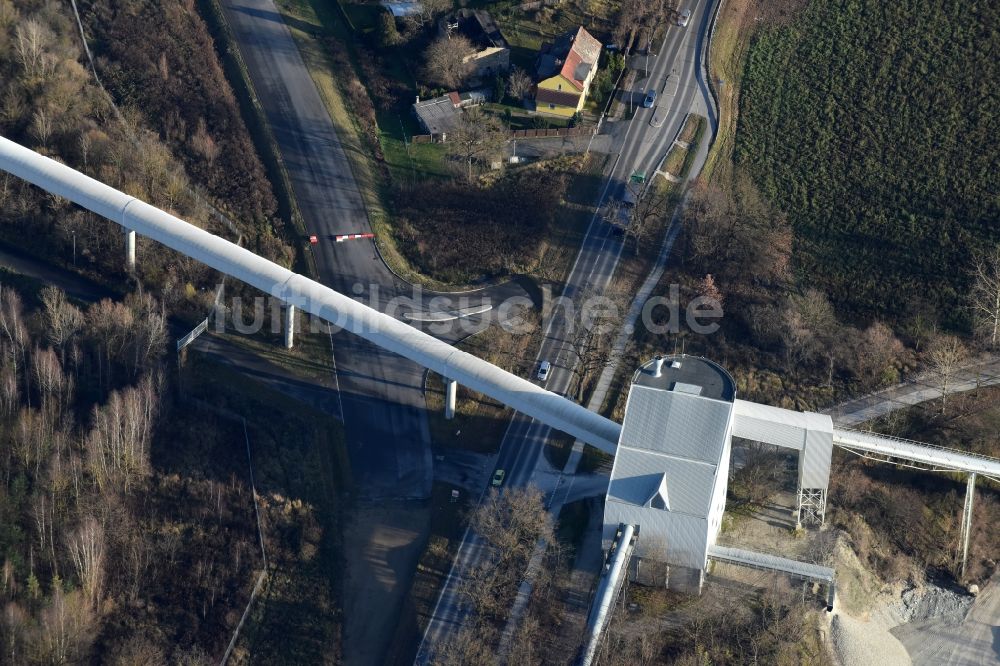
(511, 525)
(743, 247)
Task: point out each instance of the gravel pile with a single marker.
(926, 602)
(866, 643)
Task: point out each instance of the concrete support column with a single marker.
(289, 326)
(130, 249)
(451, 395)
(970, 493)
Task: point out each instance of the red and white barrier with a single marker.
(340, 238)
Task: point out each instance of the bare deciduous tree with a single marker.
(445, 60)
(150, 335)
(877, 354)
(945, 355)
(708, 289)
(513, 521)
(63, 320)
(519, 83)
(470, 645)
(478, 138)
(50, 379)
(31, 43)
(118, 443)
(427, 11)
(511, 524)
(112, 324)
(138, 651)
(812, 330)
(755, 479)
(591, 338)
(86, 550)
(10, 395)
(42, 126)
(650, 205)
(985, 295)
(735, 235)
(13, 631)
(66, 630)
(13, 329)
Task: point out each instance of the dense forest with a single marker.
(873, 126)
(127, 525)
(84, 535)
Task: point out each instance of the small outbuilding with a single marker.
(440, 115)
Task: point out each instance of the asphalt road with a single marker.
(385, 423)
(643, 147)
(381, 394)
(972, 641)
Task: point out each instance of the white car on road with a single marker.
(683, 18)
(543, 370)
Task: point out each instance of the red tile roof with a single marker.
(562, 98)
(585, 49)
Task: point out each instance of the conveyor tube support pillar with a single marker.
(289, 326)
(451, 398)
(970, 493)
(130, 250)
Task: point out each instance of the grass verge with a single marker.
(726, 58)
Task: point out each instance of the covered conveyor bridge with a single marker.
(894, 449)
(803, 570)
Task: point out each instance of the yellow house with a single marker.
(565, 69)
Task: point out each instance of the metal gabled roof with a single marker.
(675, 423)
(672, 440)
(637, 476)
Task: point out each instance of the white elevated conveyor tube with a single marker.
(310, 296)
(607, 591)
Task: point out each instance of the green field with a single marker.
(873, 125)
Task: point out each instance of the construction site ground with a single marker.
(872, 622)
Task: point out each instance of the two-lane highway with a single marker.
(676, 73)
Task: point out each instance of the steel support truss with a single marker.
(811, 506)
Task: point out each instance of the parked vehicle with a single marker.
(498, 478)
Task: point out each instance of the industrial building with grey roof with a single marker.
(670, 472)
